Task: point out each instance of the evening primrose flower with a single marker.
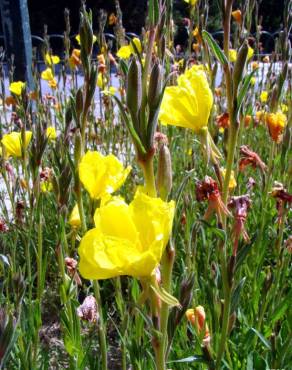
(191, 2)
(132, 247)
(250, 53)
(126, 51)
(77, 38)
(16, 87)
(74, 219)
(232, 182)
(264, 96)
(189, 103)
(13, 143)
(74, 60)
(101, 175)
(236, 14)
(47, 74)
(51, 133)
(232, 55)
(51, 59)
(46, 186)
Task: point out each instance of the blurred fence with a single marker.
(266, 39)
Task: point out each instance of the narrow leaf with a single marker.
(218, 53)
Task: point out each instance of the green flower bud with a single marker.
(134, 88)
(155, 86)
(239, 66)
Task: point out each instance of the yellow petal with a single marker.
(124, 52)
(16, 87)
(100, 174)
(51, 133)
(12, 143)
(47, 74)
(74, 219)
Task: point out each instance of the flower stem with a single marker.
(148, 171)
(101, 329)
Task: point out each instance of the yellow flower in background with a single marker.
(284, 108)
(250, 53)
(101, 175)
(232, 181)
(52, 59)
(46, 186)
(264, 96)
(16, 87)
(232, 55)
(74, 219)
(13, 143)
(252, 81)
(77, 38)
(191, 2)
(47, 74)
(276, 123)
(111, 91)
(189, 103)
(126, 51)
(101, 80)
(51, 133)
(127, 239)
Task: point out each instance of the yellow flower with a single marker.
(284, 108)
(16, 87)
(47, 74)
(100, 80)
(232, 181)
(52, 59)
(74, 219)
(51, 133)
(77, 38)
(191, 2)
(276, 123)
(250, 53)
(132, 247)
(13, 143)
(101, 175)
(232, 55)
(264, 96)
(189, 103)
(46, 186)
(109, 92)
(252, 81)
(126, 51)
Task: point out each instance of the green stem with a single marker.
(101, 328)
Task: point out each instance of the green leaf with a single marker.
(236, 295)
(262, 338)
(218, 53)
(243, 90)
(282, 308)
(153, 12)
(195, 358)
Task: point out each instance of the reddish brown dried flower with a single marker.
(46, 174)
(223, 120)
(248, 157)
(288, 244)
(3, 226)
(283, 198)
(240, 206)
(71, 265)
(208, 190)
(88, 310)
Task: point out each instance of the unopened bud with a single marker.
(134, 87)
(164, 172)
(79, 101)
(77, 147)
(155, 86)
(239, 65)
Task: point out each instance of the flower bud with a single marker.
(239, 65)
(134, 88)
(164, 172)
(79, 102)
(197, 318)
(77, 147)
(155, 85)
